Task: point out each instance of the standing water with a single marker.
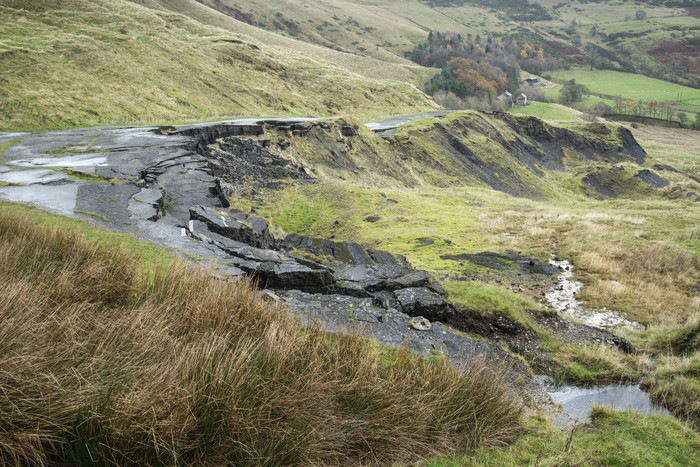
(577, 402)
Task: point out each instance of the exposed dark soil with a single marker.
(521, 274)
(243, 165)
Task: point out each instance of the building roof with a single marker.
(505, 95)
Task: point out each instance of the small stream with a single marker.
(563, 298)
(577, 402)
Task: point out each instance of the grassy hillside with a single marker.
(381, 29)
(665, 37)
(435, 196)
(222, 15)
(635, 254)
(106, 361)
(79, 62)
(195, 387)
(613, 438)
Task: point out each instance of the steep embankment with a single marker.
(80, 63)
(520, 156)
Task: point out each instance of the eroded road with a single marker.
(164, 185)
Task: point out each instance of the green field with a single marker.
(630, 86)
(613, 438)
(546, 111)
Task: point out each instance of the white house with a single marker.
(506, 97)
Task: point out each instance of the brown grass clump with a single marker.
(102, 364)
(640, 261)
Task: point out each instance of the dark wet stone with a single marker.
(343, 252)
(317, 246)
(188, 188)
(667, 168)
(591, 181)
(507, 262)
(373, 276)
(242, 164)
(390, 259)
(106, 203)
(630, 146)
(146, 204)
(385, 299)
(352, 253)
(651, 179)
(250, 230)
(414, 279)
(340, 313)
(422, 301)
(273, 269)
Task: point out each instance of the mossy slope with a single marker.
(520, 156)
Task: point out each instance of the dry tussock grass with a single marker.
(635, 269)
(100, 364)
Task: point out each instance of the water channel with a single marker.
(575, 401)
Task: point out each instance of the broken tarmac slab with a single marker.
(146, 204)
(237, 226)
(165, 170)
(341, 313)
(275, 270)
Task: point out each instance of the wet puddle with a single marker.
(563, 299)
(84, 161)
(577, 402)
(60, 198)
(32, 176)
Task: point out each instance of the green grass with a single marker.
(546, 111)
(633, 87)
(613, 438)
(617, 240)
(485, 299)
(60, 62)
(635, 254)
(146, 254)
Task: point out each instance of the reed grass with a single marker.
(100, 364)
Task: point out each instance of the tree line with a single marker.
(476, 66)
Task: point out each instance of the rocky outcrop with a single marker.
(651, 179)
(237, 226)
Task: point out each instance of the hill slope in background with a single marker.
(79, 63)
(659, 39)
(76, 62)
